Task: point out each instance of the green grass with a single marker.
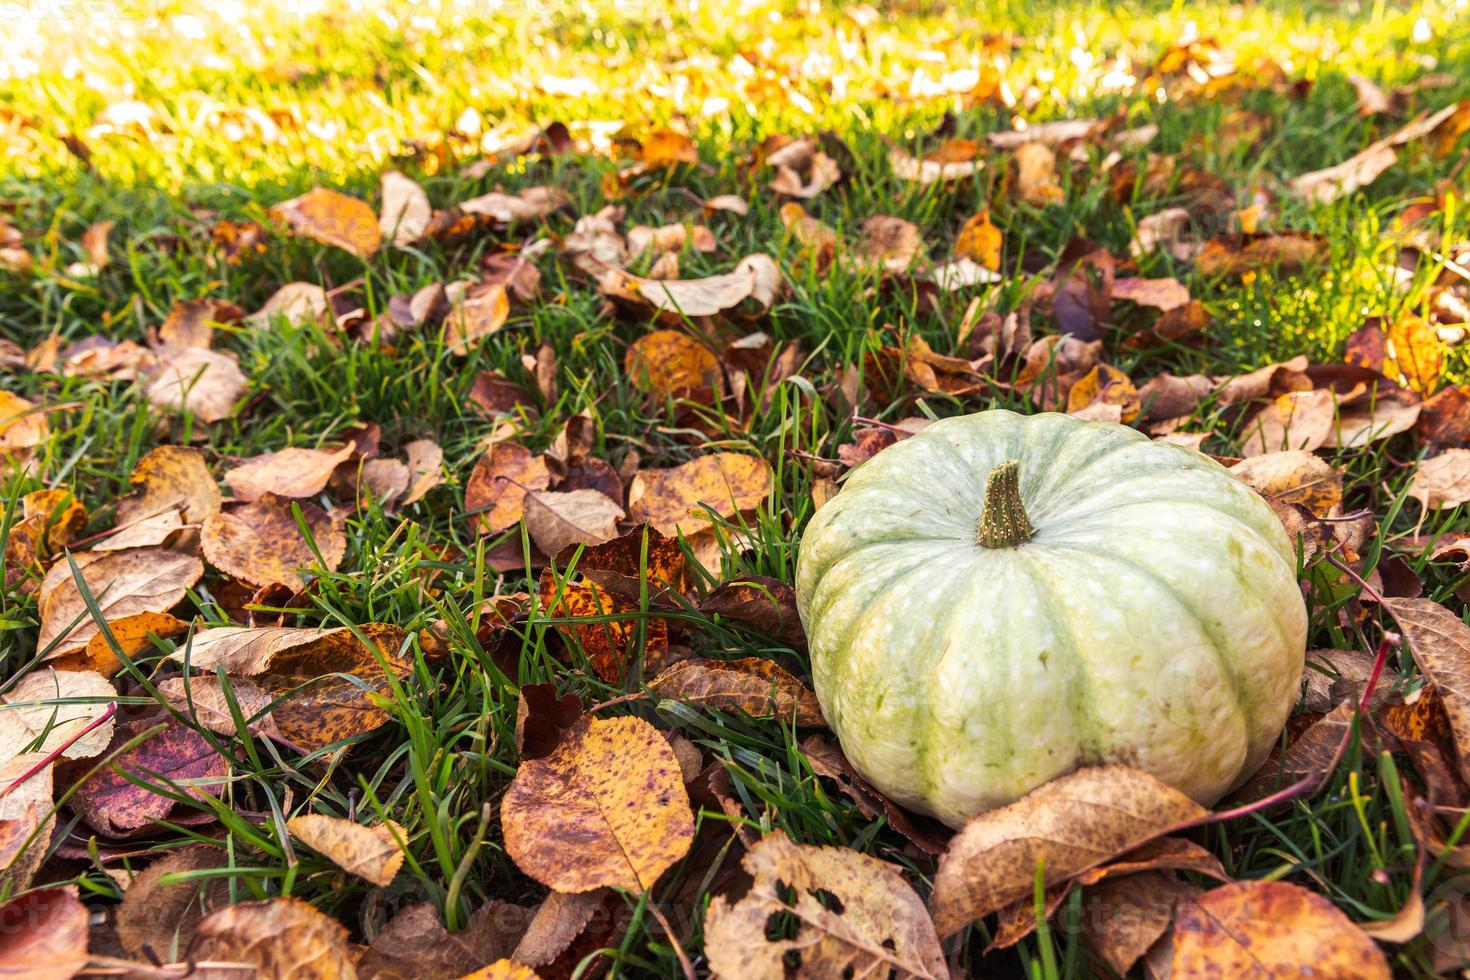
(359, 84)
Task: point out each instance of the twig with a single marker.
(684, 963)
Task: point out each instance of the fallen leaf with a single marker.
(853, 916)
(1357, 171)
(1234, 255)
(28, 724)
(614, 636)
(756, 686)
(279, 937)
(372, 853)
(295, 304)
(1294, 477)
(1301, 420)
(625, 565)
(1165, 229)
(27, 820)
(202, 698)
(332, 218)
(1166, 396)
(1415, 354)
(542, 719)
(980, 240)
(191, 324)
(170, 478)
(1269, 928)
(479, 313)
(405, 210)
(1371, 99)
(528, 204)
(1440, 643)
(499, 483)
(952, 162)
(606, 808)
(504, 969)
(1049, 133)
(259, 542)
(43, 935)
(767, 604)
(696, 297)
(670, 364)
(1444, 418)
(1104, 387)
(1129, 914)
(204, 383)
(122, 583)
(887, 244)
(162, 917)
(1162, 294)
(1070, 824)
(425, 462)
(414, 945)
(291, 472)
(176, 758)
(558, 521)
(1036, 174)
(23, 426)
(679, 499)
(826, 759)
(1443, 480)
(1382, 418)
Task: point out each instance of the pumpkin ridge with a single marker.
(817, 611)
(1227, 667)
(1050, 500)
(1039, 574)
(927, 779)
(1172, 502)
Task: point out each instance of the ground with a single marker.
(169, 123)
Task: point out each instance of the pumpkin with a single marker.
(1001, 599)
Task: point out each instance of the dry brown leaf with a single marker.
(246, 652)
(767, 604)
(855, 916)
(372, 853)
(191, 324)
(498, 485)
(280, 937)
(1165, 229)
(503, 969)
(670, 238)
(479, 313)
(1270, 929)
(23, 424)
(1443, 480)
(1294, 477)
(296, 303)
(609, 644)
(821, 173)
(133, 634)
(113, 802)
(696, 297)
(1101, 389)
(887, 244)
(670, 364)
(332, 218)
(29, 724)
(1129, 914)
(980, 240)
(202, 698)
(1163, 294)
(405, 211)
(953, 161)
(1036, 174)
(123, 583)
(527, 204)
(681, 498)
(1440, 643)
(1381, 419)
(1357, 171)
(1300, 420)
(162, 917)
(27, 819)
(826, 759)
(43, 935)
(753, 685)
(607, 808)
(202, 382)
(1071, 824)
(414, 945)
(1234, 255)
(558, 521)
(425, 461)
(292, 472)
(623, 566)
(259, 542)
(170, 478)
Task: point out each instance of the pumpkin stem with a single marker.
(1003, 520)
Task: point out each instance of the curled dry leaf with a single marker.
(132, 634)
(259, 542)
(680, 499)
(122, 583)
(607, 808)
(291, 472)
(1162, 294)
(282, 649)
(78, 699)
(1440, 643)
(1359, 170)
(1380, 419)
(170, 478)
(1443, 480)
(372, 853)
(753, 685)
(670, 364)
(623, 566)
(332, 218)
(1131, 913)
(887, 244)
(162, 917)
(43, 935)
(279, 937)
(953, 161)
(1036, 174)
(755, 277)
(1270, 928)
(295, 303)
(1070, 824)
(498, 485)
(559, 521)
(405, 210)
(1415, 354)
(610, 642)
(204, 383)
(767, 604)
(1234, 255)
(855, 916)
(527, 204)
(175, 758)
(191, 324)
(479, 313)
(1294, 477)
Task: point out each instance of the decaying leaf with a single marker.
(291, 472)
(755, 276)
(79, 700)
(405, 211)
(170, 478)
(332, 218)
(953, 161)
(174, 757)
(1127, 915)
(753, 685)
(123, 583)
(203, 382)
(1270, 928)
(499, 483)
(1300, 420)
(670, 364)
(557, 521)
(478, 312)
(1440, 643)
(1070, 824)
(259, 542)
(853, 916)
(767, 604)
(372, 853)
(980, 240)
(606, 808)
(203, 699)
(162, 917)
(1294, 477)
(43, 935)
(683, 497)
(27, 819)
(1443, 480)
(1036, 174)
(279, 937)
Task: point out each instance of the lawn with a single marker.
(453, 483)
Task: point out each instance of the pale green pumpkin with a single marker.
(1133, 603)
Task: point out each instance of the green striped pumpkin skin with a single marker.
(1154, 618)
